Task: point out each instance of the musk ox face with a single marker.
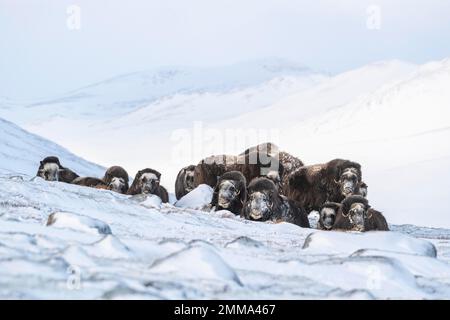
(328, 217)
(189, 180)
(259, 206)
(357, 215)
(348, 181)
(49, 171)
(149, 183)
(228, 193)
(118, 185)
(363, 189)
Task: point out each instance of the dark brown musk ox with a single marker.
(355, 214)
(363, 189)
(230, 192)
(288, 162)
(147, 182)
(327, 215)
(90, 182)
(51, 169)
(264, 203)
(184, 182)
(251, 165)
(312, 186)
(116, 179)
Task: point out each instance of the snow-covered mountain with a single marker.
(124, 93)
(21, 151)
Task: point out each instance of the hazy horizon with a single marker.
(50, 47)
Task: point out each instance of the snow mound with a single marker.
(78, 222)
(109, 247)
(196, 262)
(330, 242)
(198, 198)
(150, 201)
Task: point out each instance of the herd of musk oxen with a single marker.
(260, 184)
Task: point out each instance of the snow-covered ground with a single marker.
(100, 244)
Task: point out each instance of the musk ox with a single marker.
(51, 169)
(312, 186)
(288, 162)
(90, 182)
(147, 182)
(230, 192)
(251, 165)
(185, 181)
(355, 214)
(363, 189)
(265, 203)
(116, 179)
(327, 215)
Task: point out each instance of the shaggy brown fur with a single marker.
(117, 172)
(251, 165)
(265, 203)
(288, 162)
(90, 182)
(373, 219)
(232, 196)
(314, 185)
(139, 185)
(64, 174)
(185, 181)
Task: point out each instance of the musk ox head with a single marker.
(363, 189)
(116, 179)
(356, 209)
(349, 181)
(188, 181)
(328, 213)
(230, 192)
(49, 169)
(261, 200)
(146, 181)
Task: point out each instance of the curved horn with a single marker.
(369, 213)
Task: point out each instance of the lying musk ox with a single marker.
(327, 215)
(312, 186)
(116, 179)
(289, 162)
(184, 182)
(51, 169)
(147, 182)
(251, 165)
(90, 182)
(265, 203)
(355, 214)
(230, 192)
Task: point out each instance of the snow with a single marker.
(179, 253)
(198, 198)
(21, 151)
(392, 117)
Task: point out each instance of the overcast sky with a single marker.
(44, 53)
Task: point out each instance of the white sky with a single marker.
(41, 57)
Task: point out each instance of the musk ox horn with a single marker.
(369, 214)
